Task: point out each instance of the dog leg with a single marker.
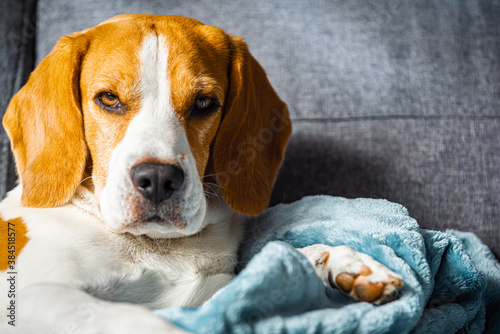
(53, 308)
(355, 274)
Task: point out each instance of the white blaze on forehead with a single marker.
(154, 79)
(156, 120)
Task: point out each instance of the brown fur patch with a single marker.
(252, 137)
(13, 238)
(44, 123)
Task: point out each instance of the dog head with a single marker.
(152, 107)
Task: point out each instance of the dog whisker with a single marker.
(216, 185)
(209, 175)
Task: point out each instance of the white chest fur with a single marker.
(70, 245)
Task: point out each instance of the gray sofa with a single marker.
(390, 99)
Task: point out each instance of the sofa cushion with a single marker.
(444, 170)
(17, 50)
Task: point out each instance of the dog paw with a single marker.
(355, 274)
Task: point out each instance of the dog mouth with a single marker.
(154, 219)
(161, 222)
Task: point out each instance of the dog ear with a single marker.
(252, 137)
(44, 124)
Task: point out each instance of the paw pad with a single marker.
(360, 286)
(355, 274)
(345, 281)
(368, 292)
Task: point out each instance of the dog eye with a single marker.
(203, 106)
(203, 102)
(108, 101)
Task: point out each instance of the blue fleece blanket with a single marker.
(452, 279)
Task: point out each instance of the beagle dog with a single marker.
(140, 145)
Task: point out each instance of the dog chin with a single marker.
(158, 228)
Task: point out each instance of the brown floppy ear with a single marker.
(252, 137)
(44, 124)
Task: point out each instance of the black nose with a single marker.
(157, 182)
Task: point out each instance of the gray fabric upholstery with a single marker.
(443, 169)
(390, 99)
(17, 36)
